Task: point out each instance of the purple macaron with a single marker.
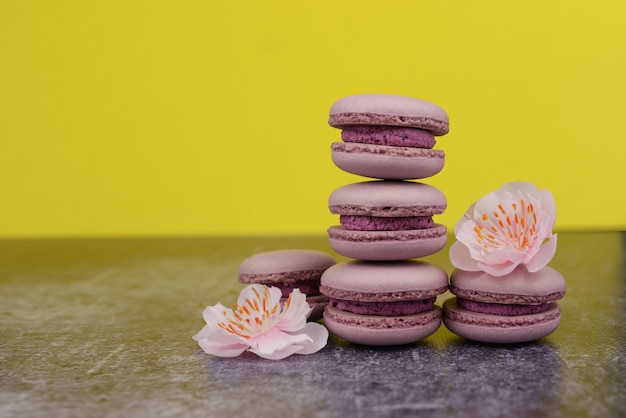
(387, 136)
(383, 303)
(387, 220)
(515, 308)
(289, 270)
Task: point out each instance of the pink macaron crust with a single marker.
(515, 308)
(519, 287)
(288, 270)
(387, 245)
(387, 199)
(385, 162)
(387, 220)
(369, 300)
(500, 329)
(387, 136)
(389, 110)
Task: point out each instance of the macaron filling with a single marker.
(389, 135)
(396, 308)
(501, 308)
(378, 223)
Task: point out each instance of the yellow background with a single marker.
(206, 117)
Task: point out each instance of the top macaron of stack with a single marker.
(389, 138)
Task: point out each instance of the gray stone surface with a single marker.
(102, 328)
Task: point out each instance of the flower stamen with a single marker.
(516, 230)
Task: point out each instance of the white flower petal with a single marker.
(520, 187)
(498, 270)
(249, 293)
(543, 257)
(318, 337)
(460, 257)
(504, 255)
(295, 315)
(222, 344)
(548, 205)
(276, 340)
(278, 354)
(467, 236)
(275, 295)
(313, 338)
(487, 205)
(203, 333)
(214, 314)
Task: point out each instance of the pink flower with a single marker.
(506, 228)
(261, 324)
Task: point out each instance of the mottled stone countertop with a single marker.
(102, 328)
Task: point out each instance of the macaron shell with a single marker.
(390, 110)
(382, 331)
(387, 198)
(284, 266)
(387, 245)
(376, 278)
(385, 162)
(500, 329)
(518, 287)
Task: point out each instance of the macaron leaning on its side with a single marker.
(388, 136)
(375, 303)
(515, 308)
(289, 270)
(387, 220)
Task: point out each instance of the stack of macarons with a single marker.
(384, 296)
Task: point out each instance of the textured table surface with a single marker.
(102, 328)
